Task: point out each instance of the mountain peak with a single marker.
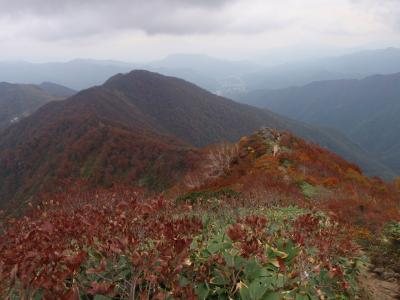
(133, 75)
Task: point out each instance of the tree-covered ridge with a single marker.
(286, 169)
(366, 110)
(18, 101)
(122, 131)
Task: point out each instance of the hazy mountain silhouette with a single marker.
(56, 90)
(229, 78)
(366, 110)
(76, 74)
(20, 100)
(351, 66)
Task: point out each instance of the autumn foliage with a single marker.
(262, 224)
(306, 174)
(117, 244)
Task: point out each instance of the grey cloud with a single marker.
(44, 7)
(75, 18)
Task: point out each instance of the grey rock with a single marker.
(388, 275)
(379, 271)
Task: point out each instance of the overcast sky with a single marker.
(142, 30)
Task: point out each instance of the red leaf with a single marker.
(101, 288)
(72, 294)
(99, 269)
(47, 227)
(74, 262)
(282, 265)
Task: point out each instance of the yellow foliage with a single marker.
(361, 233)
(304, 158)
(353, 175)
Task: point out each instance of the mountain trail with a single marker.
(378, 288)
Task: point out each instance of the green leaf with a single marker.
(252, 270)
(280, 281)
(273, 227)
(38, 295)
(219, 278)
(291, 250)
(257, 289)
(123, 274)
(183, 281)
(240, 262)
(229, 259)
(217, 245)
(272, 296)
(308, 190)
(214, 247)
(302, 297)
(245, 293)
(202, 291)
(194, 245)
(101, 297)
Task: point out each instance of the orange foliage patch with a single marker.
(257, 172)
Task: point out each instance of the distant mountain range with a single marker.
(76, 74)
(224, 77)
(351, 66)
(139, 128)
(367, 110)
(207, 72)
(56, 90)
(20, 100)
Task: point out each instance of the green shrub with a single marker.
(385, 250)
(308, 190)
(392, 232)
(196, 196)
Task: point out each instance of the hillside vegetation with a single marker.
(123, 131)
(270, 217)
